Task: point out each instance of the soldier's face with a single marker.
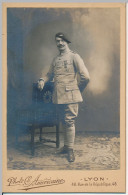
(61, 44)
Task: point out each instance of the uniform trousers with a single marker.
(67, 114)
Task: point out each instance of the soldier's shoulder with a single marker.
(75, 54)
(54, 59)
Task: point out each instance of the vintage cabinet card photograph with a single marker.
(63, 97)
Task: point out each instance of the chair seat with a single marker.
(39, 114)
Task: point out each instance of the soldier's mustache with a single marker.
(60, 45)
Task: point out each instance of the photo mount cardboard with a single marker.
(66, 180)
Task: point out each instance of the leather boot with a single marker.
(71, 156)
(63, 150)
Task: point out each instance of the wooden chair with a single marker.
(41, 113)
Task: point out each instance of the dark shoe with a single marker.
(63, 150)
(71, 157)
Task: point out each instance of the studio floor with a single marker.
(92, 152)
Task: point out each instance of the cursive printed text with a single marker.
(31, 182)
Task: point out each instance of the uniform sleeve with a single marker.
(50, 72)
(49, 76)
(82, 71)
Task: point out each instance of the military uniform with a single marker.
(65, 69)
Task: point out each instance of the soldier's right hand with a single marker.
(40, 85)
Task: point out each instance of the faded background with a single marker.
(95, 35)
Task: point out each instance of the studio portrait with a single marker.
(63, 88)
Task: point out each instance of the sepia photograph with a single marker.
(63, 98)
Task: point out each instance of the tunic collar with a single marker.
(63, 53)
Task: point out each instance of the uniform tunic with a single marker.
(64, 69)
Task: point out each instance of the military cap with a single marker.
(62, 36)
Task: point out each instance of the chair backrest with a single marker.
(44, 109)
(44, 96)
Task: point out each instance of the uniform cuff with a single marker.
(41, 79)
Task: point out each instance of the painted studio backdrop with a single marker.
(94, 34)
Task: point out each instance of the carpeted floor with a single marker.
(92, 152)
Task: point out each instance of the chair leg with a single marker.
(57, 136)
(40, 134)
(32, 141)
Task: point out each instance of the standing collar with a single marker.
(63, 53)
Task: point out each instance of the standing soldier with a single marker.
(67, 90)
